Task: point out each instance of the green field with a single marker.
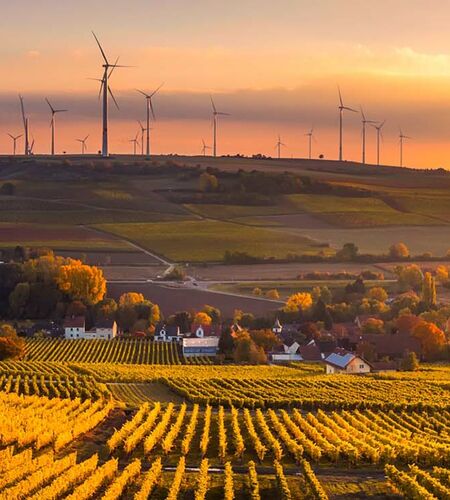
(199, 241)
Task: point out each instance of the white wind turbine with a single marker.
(310, 135)
(215, 120)
(53, 123)
(278, 146)
(135, 143)
(148, 98)
(205, 147)
(379, 136)
(342, 108)
(143, 130)
(402, 137)
(14, 138)
(364, 121)
(83, 144)
(104, 91)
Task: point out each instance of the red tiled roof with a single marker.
(75, 322)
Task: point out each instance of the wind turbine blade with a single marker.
(151, 109)
(154, 92)
(61, 110)
(12, 137)
(143, 93)
(86, 138)
(349, 109)
(340, 96)
(363, 115)
(114, 66)
(223, 114)
(101, 49)
(113, 98)
(213, 105)
(50, 106)
(384, 121)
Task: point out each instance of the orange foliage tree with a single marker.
(432, 339)
(81, 281)
(301, 301)
(201, 318)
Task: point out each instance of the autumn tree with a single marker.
(246, 350)
(213, 312)
(18, 300)
(265, 339)
(429, 291)
(208, 182)
(130, 299)
(81, 281)
(377, 293)
(409, 277)
(442, 273)
(348, 252)
(432, 339)
(410, 363)
(201, 318)
(399, 251)
(257, 291)
(273, 294)
(373, 325)
(11, 345)
(298, 302)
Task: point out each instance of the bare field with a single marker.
(172, 299)
(273, 271)
(125, 261)
(419, 239)
(57, 237)
(132, 273)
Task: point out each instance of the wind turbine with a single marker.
(52, 123)
(148, 98)
(14, 138)
(364, 122)
(379, 135)
(278, 146)
(205, 147)
(143, 129)
(310, 135)
(215, 115)
(135, 143)
(342, 108)
(83, 144)
(402, 137)
(104, 91)
(25, 125)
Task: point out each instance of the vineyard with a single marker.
(124, 351)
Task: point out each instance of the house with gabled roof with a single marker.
(342, 361)
(167, 333)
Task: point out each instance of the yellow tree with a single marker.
(81, 281)
(201, 318)
(432, 339)
(300, 301)
(130, 299)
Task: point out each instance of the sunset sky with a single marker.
(274, 66)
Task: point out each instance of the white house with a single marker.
(75, 328)
(167, 333)
(342, 361)
(206, 346)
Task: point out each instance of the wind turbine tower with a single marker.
(402, 137)
(379, 136)
(25, 125)
(205, 147)
(342, 108)
(148, 98)
(310, 135)
(104, 91)
(364, 122)
(278, 146)
(53, 122)
(215, 120)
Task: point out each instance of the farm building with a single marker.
(342, 361)
(75, 328)
(167, 333)
(207, 346)
(295, 352)
(201, 331)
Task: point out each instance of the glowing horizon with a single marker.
(274, 68)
